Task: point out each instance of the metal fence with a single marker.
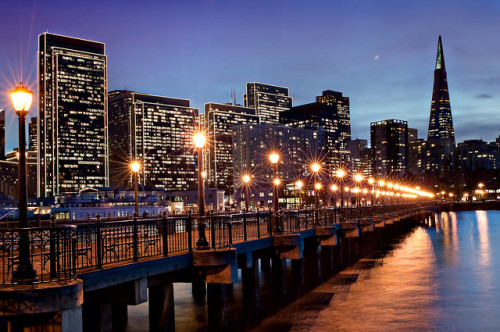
(58, 252)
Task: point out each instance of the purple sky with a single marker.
(379, 53)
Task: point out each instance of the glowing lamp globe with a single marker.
(21, 98)
(276, 182)
(371, 180)
(315, 167)
(340, 173)
(246, 178)
(317, 186)
(199, 140)
(274, 158)
(299, 184)
(135, 166)
(358, 177)
(333, 187)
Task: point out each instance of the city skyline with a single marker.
(352, 48)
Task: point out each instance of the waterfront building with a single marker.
(268, 100)
(343, 111)
(441, 135)
(252, 145)
(477, 155)
(72, 115)
(389, 144)
(219, 119)
(32, 134)
(331, 114)
(361, 156)
(9, 173)
(418, 156)
(157, 131)
(412, 135)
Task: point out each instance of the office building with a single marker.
(219, 119)
(477, 155)
(252, 145)
(389, 144)
(330, 113)
(72, 116)
(341, 104)
(157, 131)
(441, 135)
(361, 156)
(32, 134)
(268, 100)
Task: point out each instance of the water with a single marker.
(440, 279)
(445, 278)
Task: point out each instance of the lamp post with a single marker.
(334, 189)
(274, 158)
(358, 178)
(246, 183)
(136, 166)
(371, 181)
(199, 141)
(381, 184)
(299, 185)
(21, 99)
(340, 174)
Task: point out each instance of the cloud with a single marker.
(483, 96)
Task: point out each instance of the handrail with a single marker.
(59, 251)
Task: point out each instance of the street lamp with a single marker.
(246, 183)
(317, 188)
(299, 185)
(199, 140)
(340, 174)
(371, 181)
(358, 178)
(21, 99)
(136, 166)
(334, 189)
(274, 158)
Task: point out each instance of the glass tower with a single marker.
(157, 131)
(441, 135)
(268, 100)
(72, 121)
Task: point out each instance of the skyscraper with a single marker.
(389, 143)
(219, 119)
(441, 135)
(268, 100)
(341, 104)
(157, 131)
(72, 119)
(253, 143)
(330, 113)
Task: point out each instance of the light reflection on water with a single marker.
(444, 278)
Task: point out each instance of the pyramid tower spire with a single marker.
(440, 56)
(441, 134)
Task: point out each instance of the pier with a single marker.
(89, 272)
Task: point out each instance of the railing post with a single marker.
(244, 226)
(99, 241)
(53, 253)
(74, 257)
(135, 244)
(189, 227)
(298, 221)
(164, 224)
(258, 224)
(305, 217)
(212, 231)
(230, 231)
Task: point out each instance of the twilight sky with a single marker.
(381, 54)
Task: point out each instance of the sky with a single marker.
(381, 54)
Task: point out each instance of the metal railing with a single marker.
(58, 252)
